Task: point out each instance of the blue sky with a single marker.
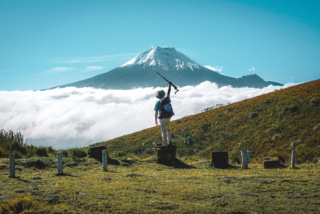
(49, 43)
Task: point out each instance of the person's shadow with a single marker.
(178, 164)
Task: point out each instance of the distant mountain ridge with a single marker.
(175, 66)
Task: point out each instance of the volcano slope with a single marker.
(286, 119)
(175, 66)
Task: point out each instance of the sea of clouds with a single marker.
(76, 117)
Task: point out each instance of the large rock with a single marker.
(166, 154)
(220, 159)
(270, 162)
(96, 152)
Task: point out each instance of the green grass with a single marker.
(156, 188)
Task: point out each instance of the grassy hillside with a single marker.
(286, 119)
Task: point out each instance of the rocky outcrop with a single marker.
(96, 152)
(253, 115)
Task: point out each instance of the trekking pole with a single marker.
(175, 87)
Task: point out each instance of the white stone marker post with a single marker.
(59, 161)
(245, 156)
(12, 173)
(105, 160)
(293, 157)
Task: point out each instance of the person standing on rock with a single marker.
(164, 110)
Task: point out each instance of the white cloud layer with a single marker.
(76, 117)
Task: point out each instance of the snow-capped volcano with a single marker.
(163, 59)
(175, 66)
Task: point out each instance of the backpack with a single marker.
(166, 108)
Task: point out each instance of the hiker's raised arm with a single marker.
(169, 88)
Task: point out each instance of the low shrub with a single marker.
(65, 153)
(119, 154)
(34, 163)
(315, 101)
(150, 151)
(204, 127)
(230, 109)
(51, 150)
(32, 151)
(79, 153)
(257, 159)
(1, 153)
(42, 152)
(76, 159)
(307, 154)
(18, 154)
(18, 147)
(23, 150)
(290, 108)
(138, 150)
(283, 157)
(235, 157)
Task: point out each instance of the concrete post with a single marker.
(105, 160)
(293, 159)
(245, 156)
(12, 173)
(59, 161)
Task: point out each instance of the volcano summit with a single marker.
(175, 66)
